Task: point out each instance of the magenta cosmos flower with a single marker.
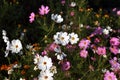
(114, 41)
(109, 76)
(65, 65)
(32, 17)
(44, 10)
(101, 51)
(83, 53)
(84, 43)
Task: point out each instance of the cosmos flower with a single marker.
(45, 75)
(57, 18)
(73, 38)
(84, 43)
(44, 10)
(61, 38)
(109, 76)
(114, 50)
(114, 41)
(66, 65)
(45, 63)
(101, 51)
(16, 46)
(32, 17)
(83, 53)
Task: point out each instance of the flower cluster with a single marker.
(75, 43)
(15, 46)
(64, 38)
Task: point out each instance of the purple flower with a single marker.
(114, 41)
(84, 43)
(114, 64)
(44, 10)
(65, 65)
(109, 76)
(32, 17)
(84, 53)
(98, 30)
(101, 51)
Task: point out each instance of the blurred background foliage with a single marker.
(14, 14)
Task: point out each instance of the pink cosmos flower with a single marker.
(32, 17)
(72, 13)
(109, 76)
(114, 41)
(51, 47)
(118, 12)
(97, 40)
(83, 53)
(44, 10)
(84, 43)
(44, 53)
(114, 50)
(114, 9)
(114, 64)
(101, 51)
(65, 65)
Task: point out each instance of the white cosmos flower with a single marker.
(16, 46)
(109, 28)
(61, 38)
(73, 4)
(56, 37)
(57, 18)
(37, 58)
(44, 63)
(45, 75)
(73, 38)
(105, 31)
(64, 38)
(60, 56)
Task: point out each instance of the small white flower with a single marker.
(105, 56)
(57, 18)
(109, 28)
(16, 46)
(53, 69)
(22, 79)
(35, 68)
(10, 71)
(73, 38)
(56, 37)
(104, 70)
(61, 38)
(73, 4)
(105, 31)
(5, 38)
(81, 25)
(44, 63)
(60, 56)
(64, 38)
(45, 75)
(37, 58)
(4, 33)
(29, 46)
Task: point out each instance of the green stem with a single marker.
(50, 30)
